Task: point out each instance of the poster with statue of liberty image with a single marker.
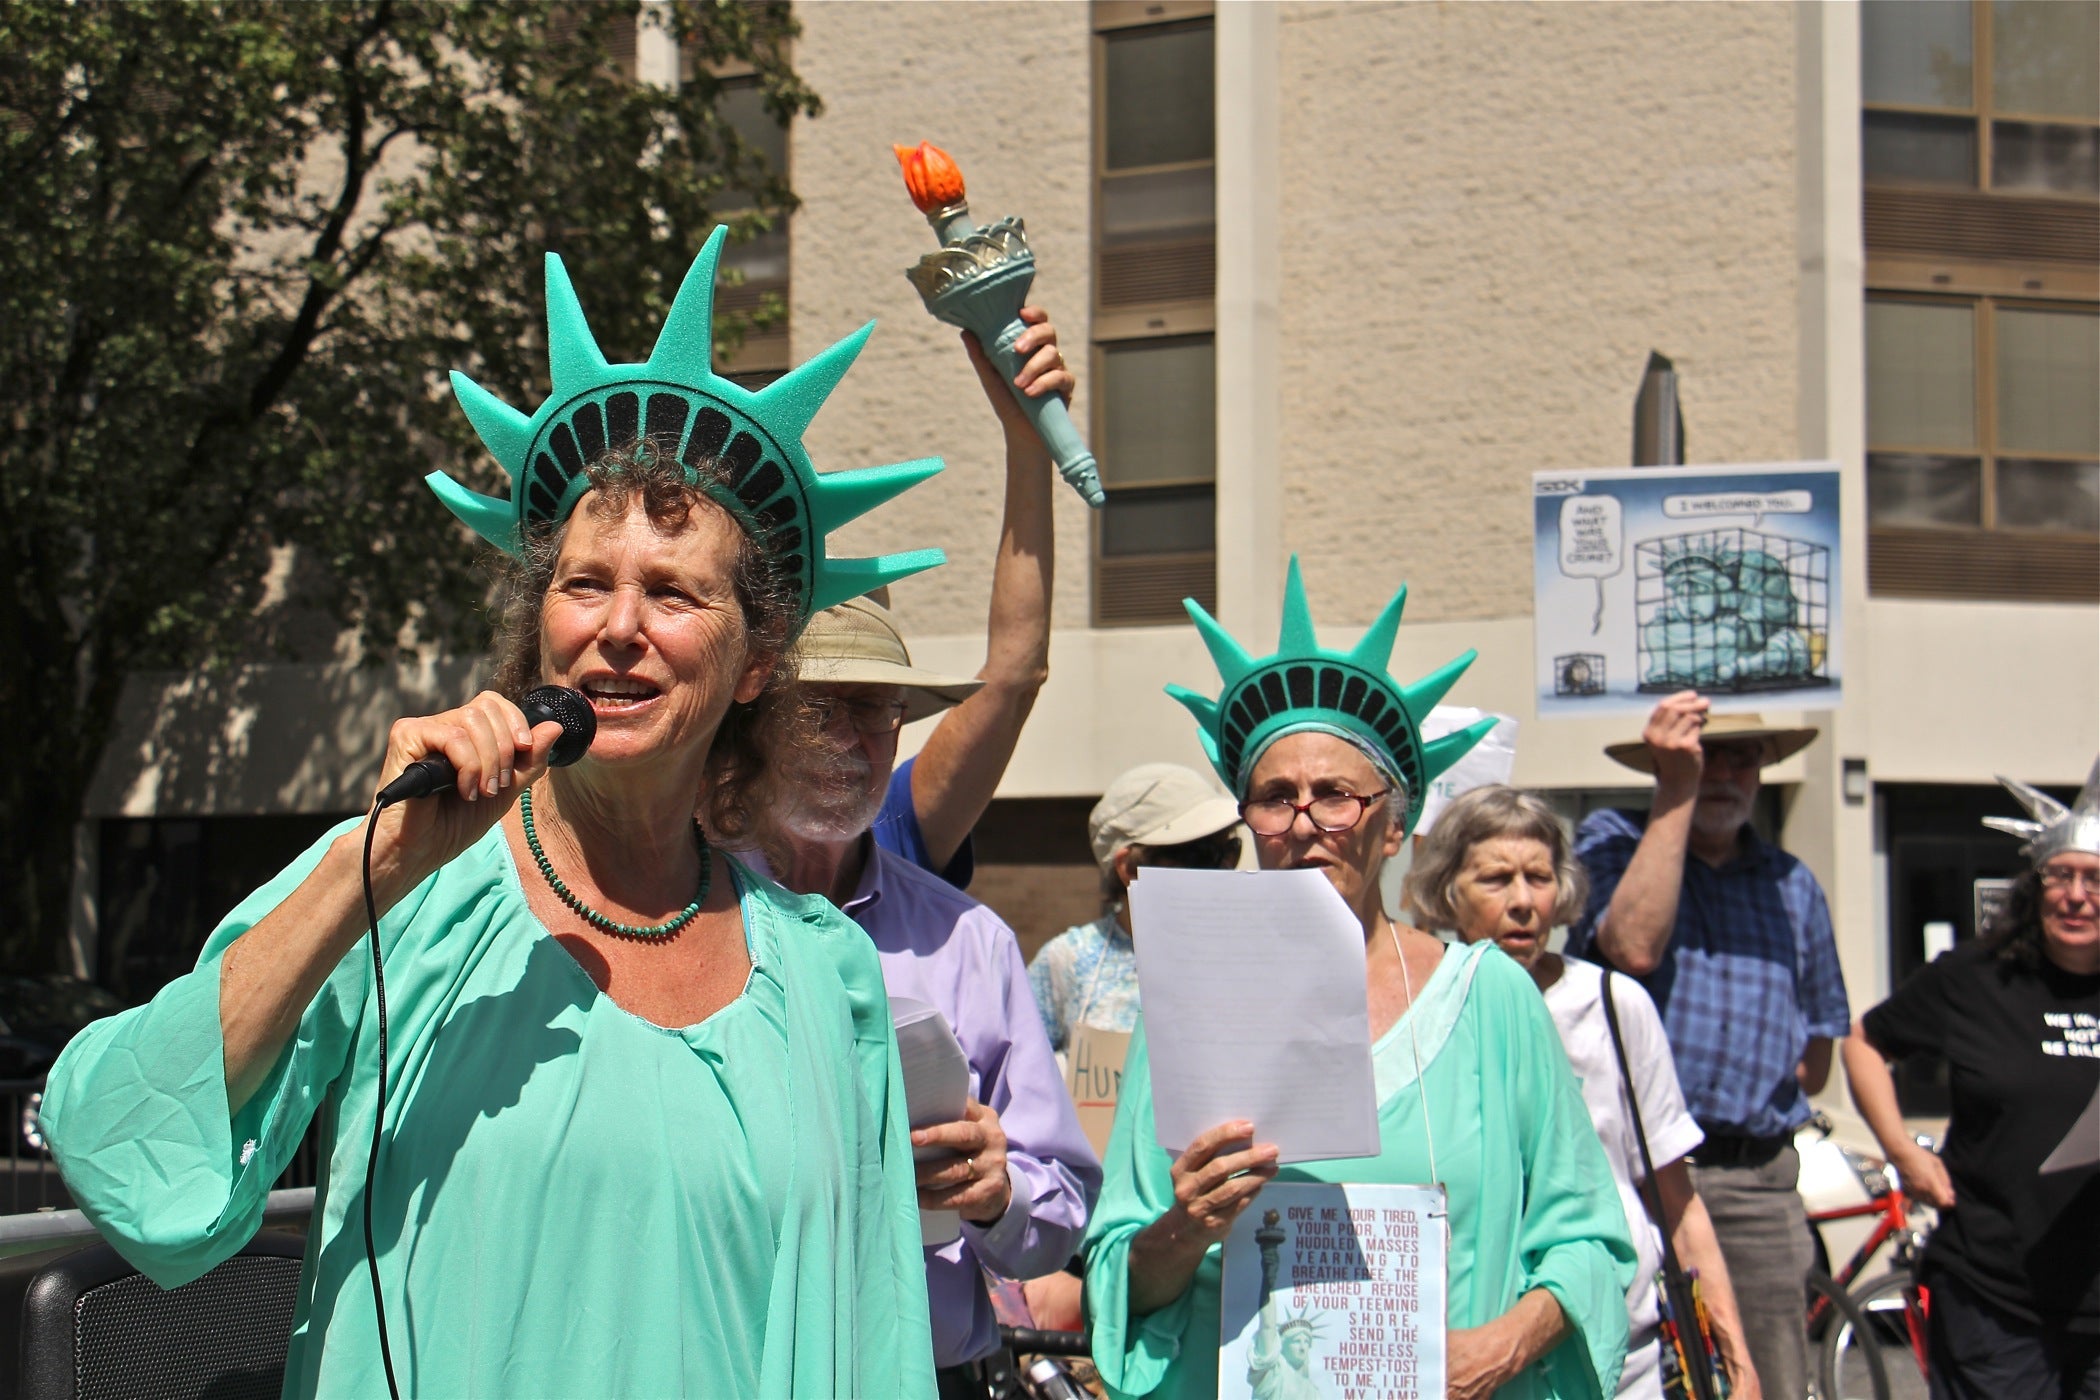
(1335, 1292)
(1650, 580)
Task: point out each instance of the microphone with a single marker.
(434, 773)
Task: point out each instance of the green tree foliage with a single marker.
(239, 246)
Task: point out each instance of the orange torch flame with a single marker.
(931, 176)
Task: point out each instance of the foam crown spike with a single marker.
(742, 446)
(1306, 686)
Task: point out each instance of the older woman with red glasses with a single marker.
(2013, 1271)
(1325, 752)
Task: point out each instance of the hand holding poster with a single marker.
(1723, 580)
(1335, 1292)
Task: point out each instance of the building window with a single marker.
(2002, 96)
(1155, 271)
(1980, 147)
(752, 281)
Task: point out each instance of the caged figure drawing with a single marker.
(1578, 673)
(1732, 610)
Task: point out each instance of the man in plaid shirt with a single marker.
(1731, 936)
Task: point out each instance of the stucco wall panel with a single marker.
(1498, 210)
(1002, 87)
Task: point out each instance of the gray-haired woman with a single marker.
(1498, 866)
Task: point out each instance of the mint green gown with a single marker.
(1532, 1200)
(572, 1201)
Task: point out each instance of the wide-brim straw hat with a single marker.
(1778, 742)
(857, 643)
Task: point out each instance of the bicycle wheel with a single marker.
(1847, 1370)
(1885, 1328)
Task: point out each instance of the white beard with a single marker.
(835, 801)
(1720, 814)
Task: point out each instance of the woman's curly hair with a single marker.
(1484, 814)
(2014, 932)
(755, 739)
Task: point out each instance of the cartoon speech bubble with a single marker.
(1756, 504)
(1592, 543)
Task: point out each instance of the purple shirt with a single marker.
(942, 947)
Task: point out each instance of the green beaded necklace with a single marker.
(598, 920)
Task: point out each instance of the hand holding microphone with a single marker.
(434, 772)
(487, 748)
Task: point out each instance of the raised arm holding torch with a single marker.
(979, 281)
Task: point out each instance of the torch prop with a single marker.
(979, 280)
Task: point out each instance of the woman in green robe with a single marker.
(644, 1129)
(1330, 774)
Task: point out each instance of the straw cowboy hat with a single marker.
(857, 643)
(1778, 743)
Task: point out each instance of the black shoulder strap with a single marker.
(1650, 1189)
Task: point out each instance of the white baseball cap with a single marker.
(1157, 804)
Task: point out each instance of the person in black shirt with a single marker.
(2013, 1271)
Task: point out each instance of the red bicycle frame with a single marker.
(1894, 1224)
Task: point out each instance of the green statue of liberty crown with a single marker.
(743, 446)
(1304, 686)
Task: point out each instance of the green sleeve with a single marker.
(136, 1113)
(1133, 1354)
(1573, 1240)
(847, 1313)
(901, 1310)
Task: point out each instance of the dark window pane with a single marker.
(742, 102)
(1173, 520)
(2044, 158)
(763, 259)
(2045, 57)
(1170, 206)
(1916, 52)
(1917, 490)
(1159, 411)
(2048, 495)
(1158, 103)
(1905, 147)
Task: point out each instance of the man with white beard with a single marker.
(1731, 937)
(1018, 1169)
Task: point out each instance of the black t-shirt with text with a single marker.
(2023, 1056)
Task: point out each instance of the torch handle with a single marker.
(1053, 422)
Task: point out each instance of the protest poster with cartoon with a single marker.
(1723, 580)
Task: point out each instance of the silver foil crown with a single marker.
(2050, 828)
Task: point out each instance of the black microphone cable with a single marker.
(428, 777)
(386, 1357)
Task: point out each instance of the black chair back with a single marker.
(94, 1328)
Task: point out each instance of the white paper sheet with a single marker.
(936, 1090)
(2081, 1145)
(1255, 1007)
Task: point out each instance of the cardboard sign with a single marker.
(1336, 1292)
(1094, 1078)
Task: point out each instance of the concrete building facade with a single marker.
(1443, 240)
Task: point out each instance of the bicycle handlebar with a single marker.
(1031, 1341)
